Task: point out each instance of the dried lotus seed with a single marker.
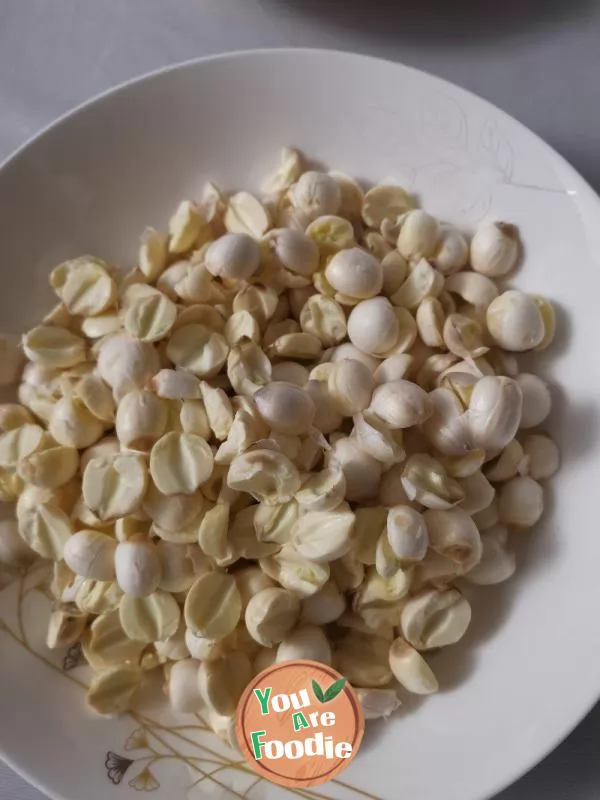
(150, 316)
(172, 649)
(362, 472)
(331, 233)
(304, 642)
(175, 517)
(373, 326)
(56, 348)
(385, 202)
(213, 605)
(435, 619)
(114, 486)
(407, 534)
(475, 289)
(176, 385)
(316, 194)
(13, 415)
(270, 615)
(350, 384)
(19, 443)
(324, 490)
(96, 597)
(323, 607)
(182, 687)
(72, 425)
(355, 273)
(537, 401)
(138, 568)
(45, 528)
(246, 215)
(235, 255)
(126, 364)
(401, 404)
(250, 581)
(425, 481)
(323, 536)
(198, 349)
(180, 564)
(152, 618)
(377, 439)
(141, 420)
(395, 270)
(520, 502)
(378, 703)
(515, 322)
(180, 463)
(111, 691)
(241, 326)
(202, 648)
(327, 416)
(290, 372)
(295, 573)
(96, 397)
(91, 554)
(410, 669)
(295, 251)
(324, 318)
(494, 248)
(248, 368)
(153, 253)
(494, 414)
(351, 196)
(285, 408)
(454, 535)
(363, 659)
(452, 251)
(543, 457)
(274, 523)
(185, 227)
(221, 682)
(497, 564)
(422, 281)
(267, 475)
(419, 235)
(107, 645)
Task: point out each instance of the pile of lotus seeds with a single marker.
(296, 429)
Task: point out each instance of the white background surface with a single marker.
(539, 60)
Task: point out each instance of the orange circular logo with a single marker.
(299, 723)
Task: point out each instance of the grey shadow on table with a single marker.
(459, 23)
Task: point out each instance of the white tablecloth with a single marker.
(537, 59)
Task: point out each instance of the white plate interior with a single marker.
(527, 671)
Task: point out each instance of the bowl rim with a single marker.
(575, 184)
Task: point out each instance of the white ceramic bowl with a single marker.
(528, 669)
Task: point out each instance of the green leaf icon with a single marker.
(318, 692)
(334, 690)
